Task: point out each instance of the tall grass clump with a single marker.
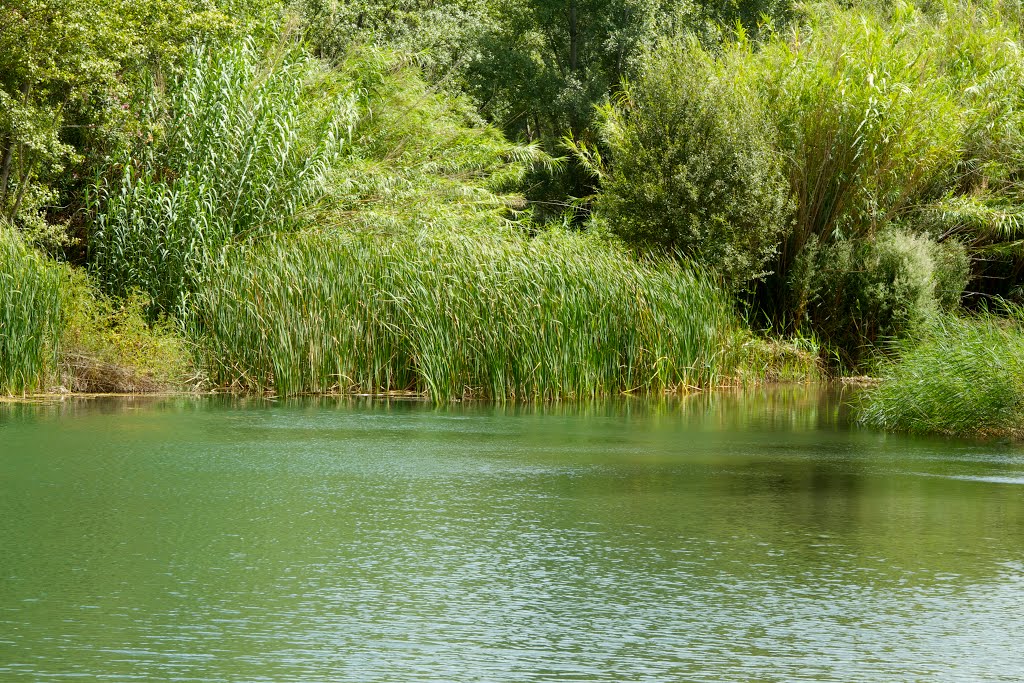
(966, 377)
(31, 315)
(248, 144)
(241, 147)
(455, 316)
(895, 121)
(870, 126)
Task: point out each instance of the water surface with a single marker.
(752, 537)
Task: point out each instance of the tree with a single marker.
(692, 165)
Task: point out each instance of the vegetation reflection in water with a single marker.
(752, 537)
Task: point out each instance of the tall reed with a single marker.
(966, 377)
(869, 121)
(242, 149)
(31, 315)
(454, 316)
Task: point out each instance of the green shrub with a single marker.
(31, 315)
(108, 345)
(692, 166)
(56, 329)
(879, 290)
(965, 377)
(453, 316)
(867, 123)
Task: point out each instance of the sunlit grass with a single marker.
(966, 377)
(31, 315)
(506, 318)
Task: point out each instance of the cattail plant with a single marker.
(31, 315)
(455, 316)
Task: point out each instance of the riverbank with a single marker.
(257, 214)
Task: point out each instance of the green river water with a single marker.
(746, 537)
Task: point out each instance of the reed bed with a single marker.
(965, 378)
(31, 316)
(451, 317)
(243, 147)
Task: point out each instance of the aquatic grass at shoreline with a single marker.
(965, 378)
(31, 315)
(452, 316)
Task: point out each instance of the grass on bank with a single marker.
(965, 378)
(31, 315)
(508, 317)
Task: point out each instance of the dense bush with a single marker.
(951, 270)
(866, 121)
(895, 114)
(453, 316)
(419, 158)
(692, 165)
(965, 377)
(439, 35)
(882, 289)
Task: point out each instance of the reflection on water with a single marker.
(726, 537)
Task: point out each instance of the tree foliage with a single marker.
(69, 73)
(692, 167)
